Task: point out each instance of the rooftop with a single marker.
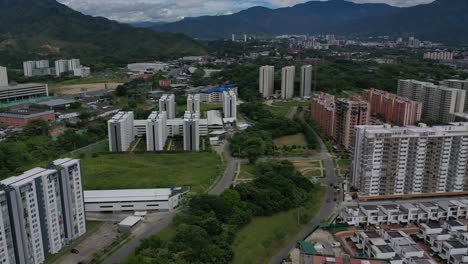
(55, 102)
(127, 195)
(26, 112)
(219, 89)
(20, 86)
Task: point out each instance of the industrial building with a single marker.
(42, 211)
(21, 117)
(23, 91)
(230, 105)
(148, 67)
(439, 102)
(349, 113)
(287, 82)
(191, 133)
(167, 104)
(394, 109)
(193, 103)
(266, 81)
(121, 132)
(306, 81)
(410, 160)
(156, 131)
(133, 199)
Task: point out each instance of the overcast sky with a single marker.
(172, 10)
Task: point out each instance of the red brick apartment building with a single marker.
(394, 109)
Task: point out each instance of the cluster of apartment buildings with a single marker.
(288, 73)
(438, 55)
(42, 67)
(42, 210)
(123, 128)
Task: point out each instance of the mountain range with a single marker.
(35, 29)
(441, 20)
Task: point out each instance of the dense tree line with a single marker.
(205, 231)
(34, 145)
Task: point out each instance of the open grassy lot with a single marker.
(281, 108)
(148, 170)
(258, 241)
(297, 139)
(247, 171)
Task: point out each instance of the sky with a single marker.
(173, 10)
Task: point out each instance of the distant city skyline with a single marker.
(169, 11)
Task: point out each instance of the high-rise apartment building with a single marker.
(457, 84)
(36, 68)
(323, 112)
(3, 76)
(439, 102)
(62, 66)
(42, 211)
(349, 113)
(167, 104)
(73, 64)
(120, 131)
(392, 108)
(266, 81)
(287, 82)
(191, 133)
(229, 104)
(410, 160)
(306, 80)
(438, 55)
(193, 103)
(156, 131)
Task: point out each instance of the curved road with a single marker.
(223, 184)
(327, 208)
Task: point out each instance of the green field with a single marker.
(148, 170)
(281, 109)
(247, 171)
(297, 140)
(258, 241)
(313, 173)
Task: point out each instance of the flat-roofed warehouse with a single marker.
(165, 199)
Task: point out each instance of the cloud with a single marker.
(172, 10)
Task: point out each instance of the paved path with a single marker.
(223, 183)
(327, 208)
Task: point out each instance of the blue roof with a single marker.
(220, 89)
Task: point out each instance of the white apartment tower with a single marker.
(457, 84)
(61, 66)
(266, 81)
(191, 133)
(287, 82)
(306, 80)
(28, 67)
(439, 102)
(230, 104)
(3, 76)
(32, 68)
(73, 64)
(410, 160)
(156, 131)
(167, 104)
(193, 103)
(42, 211)
(120, 131)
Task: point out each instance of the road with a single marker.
(327, 208)
(223, 183)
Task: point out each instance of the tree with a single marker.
(37, 127)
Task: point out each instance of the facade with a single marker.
(392, 108)
(410, 160)
(36, 68)
(323, 112)
(3, 76)
(349, 113)
(266, 81)
(287, 82)
(230, 105)
(156, 131)
(23, 92)
(82, 71)
(133, 199)
(215, 94)
(21, 117)
(193, 103)
(42, 211)
(191, 133)
(439, 102)
(457, 84)
(167, 104)
(120, 131)
(63, 66)
(306, 80)
(439, 55)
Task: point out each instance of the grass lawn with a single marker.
(344, 164)
(247, 171)
(313, 173)
(297, 139)
(282, 108)
(258, 241)
(151, 170)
